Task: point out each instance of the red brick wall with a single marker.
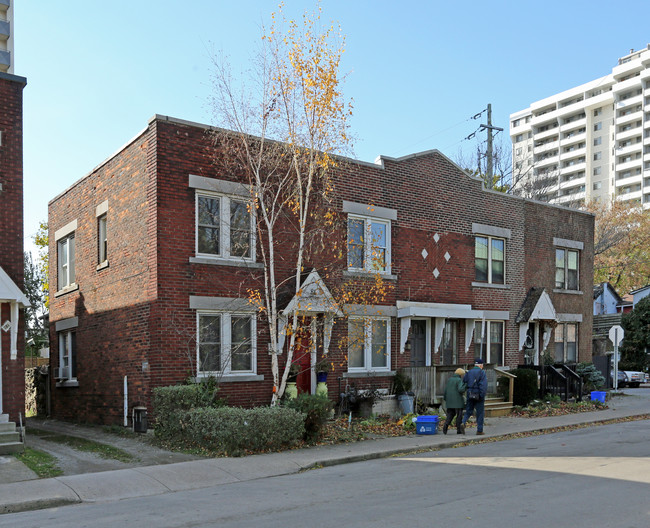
(11, 234)
(138, 309)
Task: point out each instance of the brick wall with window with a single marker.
(11, 235)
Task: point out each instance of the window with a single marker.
(489, 346)
(598, 126)
(224, 227)
(566, 269)
(368, 344)
(597, 185)
(368, 244)
(598, 141)
(226, 343)
(489, 257)
(598, 155)
(597, 171)
(67, 355)
(597, 112)
(102, 240)
(566, 343)
(66, 261)
(519, 137)
(448, 345)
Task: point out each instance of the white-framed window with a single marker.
(598, 156)
(566, 343)
(224, 227)
(66, 261)
(368, 244)
(102, 239)
(598, 126)
(226, 343)
(489, 259)
(368, 344)
(489, 346)
(598, 141)
(449, 343)
(67, 355)
(566, 269)
(597, 171)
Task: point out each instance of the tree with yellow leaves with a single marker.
(282, 127)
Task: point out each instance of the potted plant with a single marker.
(292, 390)
(402, 385)
(322, 368)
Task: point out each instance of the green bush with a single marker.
(316, 409)
(525, 386)
(592, 378)
(170, 404)
(232, 430)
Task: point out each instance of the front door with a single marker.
(449, 343)
(302, 355)
(418, 343)
(532, 345)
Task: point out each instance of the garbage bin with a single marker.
(139, 419)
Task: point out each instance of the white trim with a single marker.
(368, 310)
(493, 231)
(314, 297)
(368, 210)
(101, 209)
(67, 229)
(219, 186)
(66, 324)
(569, 318)
(368, 222)
(571, 244)
(224, 304)
(367, 344)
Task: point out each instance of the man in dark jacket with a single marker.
(454, 401)
(476, 383)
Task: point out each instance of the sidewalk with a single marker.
(158, 479)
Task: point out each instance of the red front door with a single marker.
(302, 356)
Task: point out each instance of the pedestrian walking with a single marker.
(476, 383)
(454, 400)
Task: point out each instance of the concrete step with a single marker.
(4, 418)
(7, 427)
(8, 438)
(10, 448)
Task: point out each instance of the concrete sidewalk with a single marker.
(158, 479)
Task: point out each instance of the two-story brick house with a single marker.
(12, 298)
(152, 254)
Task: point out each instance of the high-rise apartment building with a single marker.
(6, 37)
(591, 142)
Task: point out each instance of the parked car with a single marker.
(622, 379)
(634, 378)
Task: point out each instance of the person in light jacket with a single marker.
(454, 400)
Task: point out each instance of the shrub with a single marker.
(316, 409)
(232, 430)
(525, 386)
(592, 378)
(170, 404)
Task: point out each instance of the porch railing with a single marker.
(559, 380)
(429, 382)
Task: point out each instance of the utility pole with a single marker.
(490, 161)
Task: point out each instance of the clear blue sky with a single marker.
(418, 70)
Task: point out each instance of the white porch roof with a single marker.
(9, 292)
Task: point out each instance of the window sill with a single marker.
(369, 374)
(490, 285)
(102, 266)
(368, 275)
(73, 287)
(230, 378)
(570, 292)
(216, 261)
(67, 383)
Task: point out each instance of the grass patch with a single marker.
(82, 444)
(43, 464)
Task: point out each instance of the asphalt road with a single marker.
(594, 477)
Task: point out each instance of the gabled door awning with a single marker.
(537, 306)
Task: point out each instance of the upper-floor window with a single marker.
(368, 343)
(224, 227)
(368, 244)
(598, 126)
(566, 269)
(226, 343)
(66, 261)
(102, 240)
(488, 341)
(566, 343)
(489, 259)
(598, 141)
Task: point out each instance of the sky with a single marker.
(417, 71)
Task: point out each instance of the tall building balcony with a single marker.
(551, 132)
(630, 101)
(630, 118)
(577, 123)
(551, 145)
(630, 132)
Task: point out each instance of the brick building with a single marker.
(12, 298)
(146, 284)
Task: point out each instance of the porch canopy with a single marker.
(10, 293)
(407, 310)
(313, 298)
(537, 307)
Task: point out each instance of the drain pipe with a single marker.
(126, 402)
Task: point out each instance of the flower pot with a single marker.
(321, 389)
(321, 377)
(292, 390)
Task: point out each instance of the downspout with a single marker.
(126, 402)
